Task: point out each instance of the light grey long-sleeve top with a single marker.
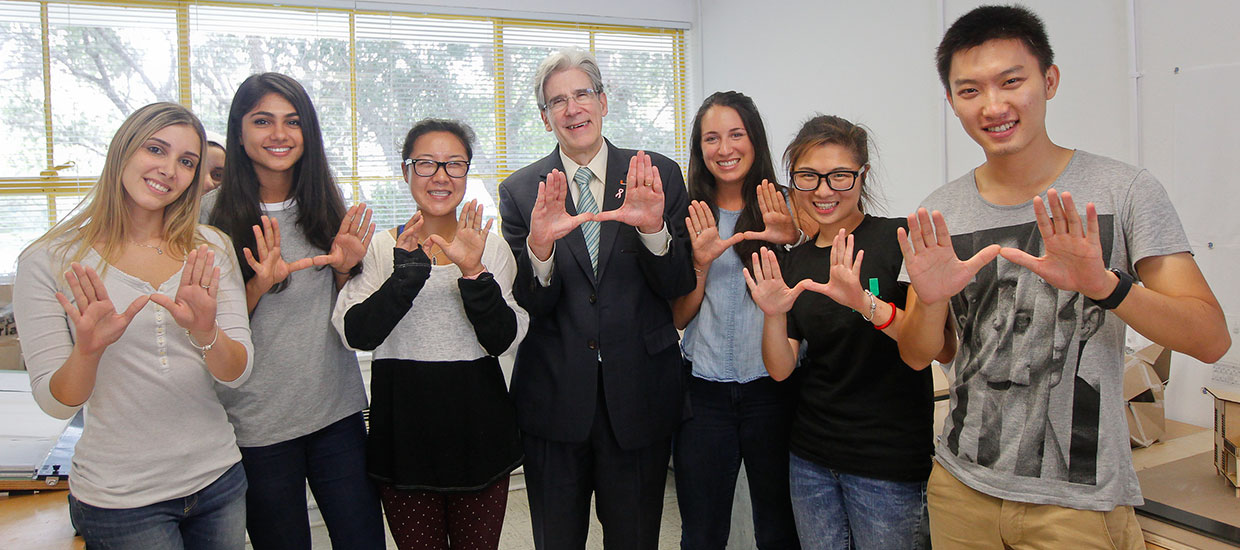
(155, 429)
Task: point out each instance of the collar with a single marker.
(597, 165)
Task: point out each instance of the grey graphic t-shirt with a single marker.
(1036, 387)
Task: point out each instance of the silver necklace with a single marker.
(158, 250)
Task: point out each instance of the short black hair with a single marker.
(425, 126)
(987, 23)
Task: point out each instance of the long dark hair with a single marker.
(320, 207)
(702, 183)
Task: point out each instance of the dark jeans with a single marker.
(333, 460)
(734, 422)
(838, 510)
(210, 519)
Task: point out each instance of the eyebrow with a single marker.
(271, 114)
(1009, 70)
(429, 156)
(169, 146)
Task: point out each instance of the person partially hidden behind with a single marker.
(601, 248)
(1034, 452)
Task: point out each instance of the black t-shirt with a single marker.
(860, 409)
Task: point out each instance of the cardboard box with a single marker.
(1145, 376)
(1227, 434)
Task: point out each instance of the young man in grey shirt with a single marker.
(1034, 452)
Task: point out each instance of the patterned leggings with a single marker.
(422, 520)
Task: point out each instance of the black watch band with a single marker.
(1121, 290)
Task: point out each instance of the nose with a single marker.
(724, 147)
(994, 106)
(278, 131)
(441, 174)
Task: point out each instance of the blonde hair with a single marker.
(102, 216)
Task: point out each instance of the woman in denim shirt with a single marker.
(739, 412)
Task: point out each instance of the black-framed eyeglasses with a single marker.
(559, 103)
(837, 180)
(427, 168)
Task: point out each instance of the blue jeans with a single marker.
(333, 460)
(211, 519)
(733, 422)
(838, 510)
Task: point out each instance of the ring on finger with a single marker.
(207, 287)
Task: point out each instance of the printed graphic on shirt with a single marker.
(1023, 403)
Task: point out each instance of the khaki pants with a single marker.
(961, 517)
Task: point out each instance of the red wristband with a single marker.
(890, 319)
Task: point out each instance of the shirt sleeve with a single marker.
(45, 337)
(1151, 225)
(231, 314)
(505, 272)
(375, 270)
(542, 269)
(658, 242)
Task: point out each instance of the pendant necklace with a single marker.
(158, 250)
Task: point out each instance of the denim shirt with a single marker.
(724, 340)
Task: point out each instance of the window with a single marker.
(72, 71)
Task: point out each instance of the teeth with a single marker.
(439, 193)
(729, 163)
(576, 126)
(278, 149)
(158, 186)
(1001, 128)
(826, 205)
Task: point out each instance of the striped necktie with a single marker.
(585, 203)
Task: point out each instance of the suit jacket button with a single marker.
(593, 298)
(592, 345)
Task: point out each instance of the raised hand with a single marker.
(95, 321)
(549, 221)
(351, 241)
(195, 302)
(845, 284)
(930, 259)
(270, 268)
(643, 197)
(1073, 252)
(704, 235)
(465, 249)
(408, 239)
(780, 225)
(766, 284)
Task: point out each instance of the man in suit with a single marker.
(598, 380)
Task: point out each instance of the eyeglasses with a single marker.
(427, 168)
(837, 180)
(558, 103)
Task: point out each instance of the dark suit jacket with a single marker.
(625, 313)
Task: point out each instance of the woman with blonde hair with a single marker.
(157, 465)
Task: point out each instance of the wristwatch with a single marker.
(1113, 300)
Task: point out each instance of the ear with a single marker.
(546, 123)
(602, 98)
(1052, 81)
(404, 171)
(951, 102)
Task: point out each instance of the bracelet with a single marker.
(475, 276)
(203, 349)
(889, 319)
(344, 273)
(873, 308)
(1121, 290)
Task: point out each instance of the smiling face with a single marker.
(830, 208)
(271, 136)
(212, 172)
(726, 149)
(161, 169)
(579, 126)
(437, 194)
(999, 93)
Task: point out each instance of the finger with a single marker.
(1093, 233)
(983, 257)
(1044, 221)
(634, 176)
(249, 259)
(1019, 257)
(1058, 220)
(906, 247)
(300, 264)
(763, 203)
(735, 238)
(856, 264)
(540, 199)
(770, 258)
(487, 230)
(756, 262)
(213, 287)
(275, 233)
(88, 290)
(76, 288)
(749, 282)
(187, 268)
(708, 217)
(1071, 217)
(913, 235)
(134, 307)
(269, 233)
(208, 266)
(260, 243)
(70, 310)
(768, 269)
(164, 301)
(776, 199)
(370, 233)
(942, 236)
(849, 244)
(365, 225)
(692, 224)
(656, 181)
(348, 221)
(925, 229)
(96, 282)
(439, 241)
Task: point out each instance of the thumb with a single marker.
(164, 301)
(136, 306)
(987, 255)
(1019, 257)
